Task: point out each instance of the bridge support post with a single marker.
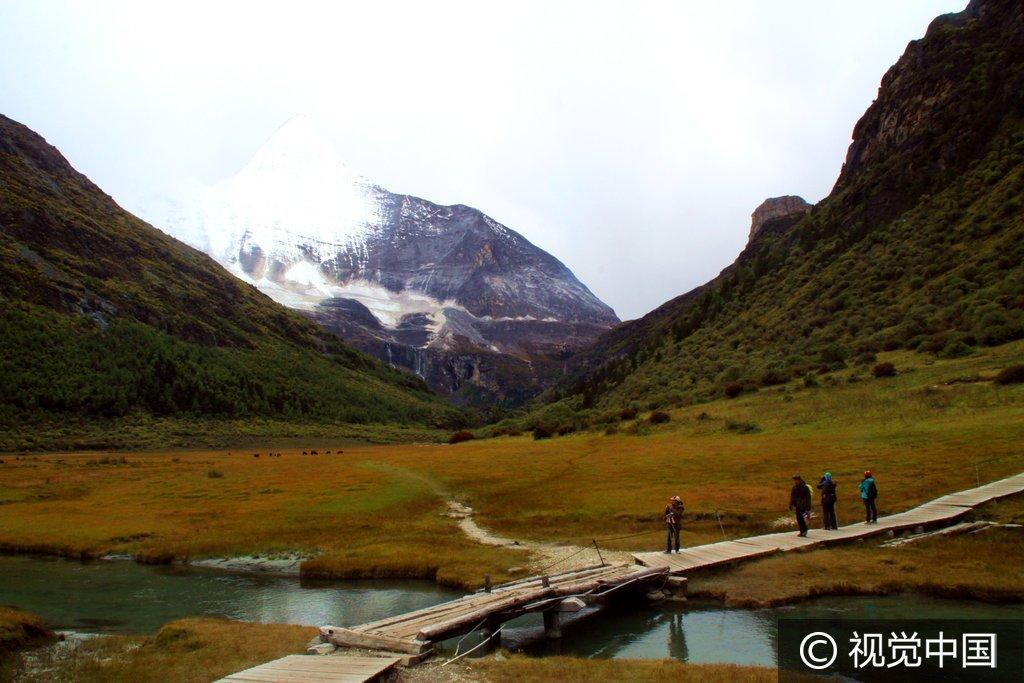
(552, 624)
(491, 631)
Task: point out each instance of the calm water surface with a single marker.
(125, 597)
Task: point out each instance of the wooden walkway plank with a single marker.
(313, 668)
(944, 509)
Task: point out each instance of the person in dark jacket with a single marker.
(828, 501)
(673, 522)
(800, 502)
(868, 493)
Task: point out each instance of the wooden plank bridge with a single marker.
(939, 511)
(408, 638)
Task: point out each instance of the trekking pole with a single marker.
(977, 475)
(599, 556)
(719, 516)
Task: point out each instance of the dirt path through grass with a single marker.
(545, 555)
(541, 556)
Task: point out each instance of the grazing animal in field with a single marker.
(305, 453)
(327, 452)
(313, 453)
(255, 455)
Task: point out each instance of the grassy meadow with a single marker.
(937, 426)
(185, 651)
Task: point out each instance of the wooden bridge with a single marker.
(409, 638)
(939, 511)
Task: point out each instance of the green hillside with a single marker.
(919, 246)
(105, 318)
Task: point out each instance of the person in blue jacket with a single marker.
(868, 493)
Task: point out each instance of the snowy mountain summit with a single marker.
(444, 291)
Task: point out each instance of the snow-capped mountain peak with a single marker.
(299, 147)
(294, 199)
(393, 271)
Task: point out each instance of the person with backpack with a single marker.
(828, 501)
(800, 501)
(673, 522)
(868, 493)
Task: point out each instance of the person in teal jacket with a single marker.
(868, 493)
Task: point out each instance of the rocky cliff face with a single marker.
(445, 292)
(936, 111)
(776, 207)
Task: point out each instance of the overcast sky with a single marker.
(632, 140)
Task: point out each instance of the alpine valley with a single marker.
(446, 292)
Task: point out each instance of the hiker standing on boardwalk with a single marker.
(800, 501)
(868, 493)
(828, 501)
(673, 520)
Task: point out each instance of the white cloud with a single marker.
(632, 140)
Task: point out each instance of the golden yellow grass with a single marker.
(19, 629)
(185, 651)
(379, 510)
(523, 669)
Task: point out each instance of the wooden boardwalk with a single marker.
(304, 668)
(410, 636)
(939, 511)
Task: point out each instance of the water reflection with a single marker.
(124, 597)
(708, 633)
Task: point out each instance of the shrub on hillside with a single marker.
(956, 348)
(834, 356)
(1011, 375)
(741, 427)
(733, 389)
(542, 432)
(659, 417)
(810, 381)
(627, 414)
(885, 369)
(459, 437)
(567, 428)
(864, 358)
(773, 377)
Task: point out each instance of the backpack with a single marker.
(828, 493)
(872, 490)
